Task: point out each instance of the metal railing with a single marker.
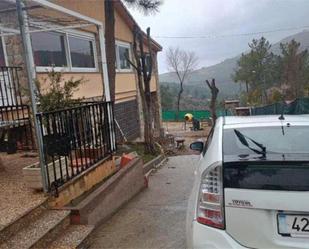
(74, 140)
(10, 89)
(16, 129)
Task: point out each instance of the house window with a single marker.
(74, 52)
(82, 52)
(49, 49)
(2, 56)
(122, 55)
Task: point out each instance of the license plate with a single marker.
(293, 225)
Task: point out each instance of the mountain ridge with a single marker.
(222, 71)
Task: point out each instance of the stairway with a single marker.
(74, 237)
(44, 228)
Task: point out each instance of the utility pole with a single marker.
(30, 68)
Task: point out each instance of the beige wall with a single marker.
(125, 82)
(125, 86)
(92, 87)
(122, 31)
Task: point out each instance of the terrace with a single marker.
(44, 150)
(74, 140)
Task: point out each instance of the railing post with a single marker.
(28, 56)
(111, 128)
(106, 87)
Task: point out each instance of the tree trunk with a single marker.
(213, 110)
(265, 96)
(148, 137)
(1, 165)
(144, 78)
(214, 93)
(110, 44)
(178, 100)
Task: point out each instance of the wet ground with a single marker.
(156, 217)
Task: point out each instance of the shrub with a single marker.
(57, 93)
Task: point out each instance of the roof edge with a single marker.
(123, 10)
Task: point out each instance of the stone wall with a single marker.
(126, 114)
(14, 47)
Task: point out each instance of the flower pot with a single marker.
(32, 173)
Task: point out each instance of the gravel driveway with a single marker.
(156, 217)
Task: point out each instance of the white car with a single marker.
(251, 185)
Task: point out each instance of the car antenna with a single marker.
(281, 117)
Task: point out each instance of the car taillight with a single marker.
(210, 202)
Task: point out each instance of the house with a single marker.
(243, 111)
(76, 145)
(231, 104)
(76, 50)
(68, 36)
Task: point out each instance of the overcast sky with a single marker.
(221, 21)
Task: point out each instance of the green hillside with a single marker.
(222, 72)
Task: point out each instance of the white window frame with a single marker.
(86, 38)
(125, 45)
(69, 68)
(44, 69)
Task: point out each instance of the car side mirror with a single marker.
(198, 146)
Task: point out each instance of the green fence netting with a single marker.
(299, 106)
(198, 114)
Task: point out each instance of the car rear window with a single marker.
(284, 166)
(267, 176)
(278, 139)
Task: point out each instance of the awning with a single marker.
(42, 16)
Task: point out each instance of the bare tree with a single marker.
(143, 68)
(182, 63)
(214, 94)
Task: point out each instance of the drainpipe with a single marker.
(106, 85)
(31, 74)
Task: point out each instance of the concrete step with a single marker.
(22, 221)
(34, 233)
(74, 237)
(98, 205)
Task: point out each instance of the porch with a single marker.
(68, 141)
(45, 150)
(75, 140)
(77, 155)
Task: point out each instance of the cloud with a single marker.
(221, 17)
